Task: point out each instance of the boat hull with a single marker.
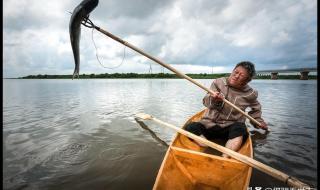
(187, 166)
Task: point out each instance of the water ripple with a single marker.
(60, 133)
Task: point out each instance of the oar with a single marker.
(171, 69)
(291, 181)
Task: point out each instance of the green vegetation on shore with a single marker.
(123, 75)
(156, 75)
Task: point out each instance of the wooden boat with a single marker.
(187, 166)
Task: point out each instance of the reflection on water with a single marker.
(81, 134)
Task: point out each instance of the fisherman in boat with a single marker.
(222, 121)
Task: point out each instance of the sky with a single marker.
(193, 36)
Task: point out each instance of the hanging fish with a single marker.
(80, 13)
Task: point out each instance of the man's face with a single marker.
(239, 77)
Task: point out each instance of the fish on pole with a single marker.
(79, 15)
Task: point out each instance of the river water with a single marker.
(81, 134)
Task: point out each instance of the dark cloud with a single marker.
(138, 9)
(11, 44)
(272, 34)
(24, 22)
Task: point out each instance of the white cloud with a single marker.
(201, 69)
(193, 36)
(281, 37)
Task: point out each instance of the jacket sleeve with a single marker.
(209, 102)
(255, 111)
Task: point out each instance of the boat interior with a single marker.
(190, 166)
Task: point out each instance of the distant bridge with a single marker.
(274, 73)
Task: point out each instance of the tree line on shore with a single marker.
(155, 75)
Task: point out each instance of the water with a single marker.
(81, 134)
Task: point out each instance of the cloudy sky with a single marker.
(194, 36)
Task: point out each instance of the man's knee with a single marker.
(236, 140)
(234, 143)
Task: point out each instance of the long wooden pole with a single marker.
(172, 69)
(293, 182)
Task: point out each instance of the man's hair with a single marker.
(249, 67)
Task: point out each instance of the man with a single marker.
(223, 121)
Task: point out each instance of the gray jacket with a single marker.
(224, 115)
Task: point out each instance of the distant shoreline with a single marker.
(152, 76)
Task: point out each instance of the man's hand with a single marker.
(263, 125)
(217, 96)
